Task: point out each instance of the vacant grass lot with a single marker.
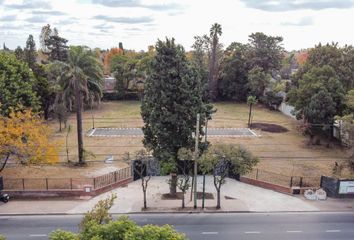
(285, 153)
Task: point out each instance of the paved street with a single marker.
(137, 132)
(265, 226)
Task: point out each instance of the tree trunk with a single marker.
(145, 205)
(218, 199)
(183, 205)
(79, 124)
(249, 116)
(59, 125)
(173, 184)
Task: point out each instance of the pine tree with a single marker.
(173, 97)
(30, 53)
(57, 48)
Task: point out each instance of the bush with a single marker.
(99, 214)
(114, 230)
(98, 225)
(2, 237)
(151, 232)
(62, 235)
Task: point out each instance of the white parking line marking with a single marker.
(253, 232)
(38, 235)
(332, 231)
(294, 231)
(210, 233)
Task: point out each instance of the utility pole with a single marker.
(206, 137)
(195, 161)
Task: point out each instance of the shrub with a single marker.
(62, 235)
(2, 237)
(114, 230)
(152, 232)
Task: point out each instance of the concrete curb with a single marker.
(179, 212)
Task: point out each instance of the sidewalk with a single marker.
(241, 198)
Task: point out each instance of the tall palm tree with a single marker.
(81, 75)
(215, 33)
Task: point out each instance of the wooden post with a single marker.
(46, 183)
(23, 183)
(257, 174)
(71, 183)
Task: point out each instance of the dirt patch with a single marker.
(268, 127)
(179, 195)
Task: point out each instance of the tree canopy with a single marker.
(17, 85)
(172, 99)
(24, 138)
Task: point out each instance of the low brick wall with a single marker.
(267, 185)
(39, 194)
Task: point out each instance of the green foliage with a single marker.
(220, 160)
(272, 100)
(233, 80)
(151, 232)
(258, 80)
(99, 214)
(323, 81)
(56, 47)
(120, 229)
(339, 59)
(19, 53)
(63, 235)
(173, 97)
(17, 85)
(239, 159)
(2, 237)
(251, 100)
(30, 53)
(113, 230)
(265, 52)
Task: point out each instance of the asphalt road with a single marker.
(272, 226)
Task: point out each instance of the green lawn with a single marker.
(285, 153)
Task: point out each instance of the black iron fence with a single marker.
(46, 184)
(284, 180)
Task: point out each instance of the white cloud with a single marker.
(139, 23)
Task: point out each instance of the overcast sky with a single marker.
(139, 23)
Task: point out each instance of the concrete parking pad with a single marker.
(137, 132)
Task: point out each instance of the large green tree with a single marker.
(56, 47)
(172, 100)
(340, 59)
(318, 97)
(17, 85)
(233, 79)
(265, 52)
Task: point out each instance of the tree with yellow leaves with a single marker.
(24, 138)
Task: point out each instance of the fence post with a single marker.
(71, 183)
(257, 174)
(291, 181)
(46, 183)
(115, 176)
(23, 183)
(300, 182)
(94, 183)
